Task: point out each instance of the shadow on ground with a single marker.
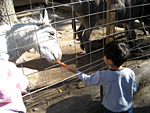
(82, 104)
(85, 104)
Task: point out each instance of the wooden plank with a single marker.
(108, 21)
(26, 2)
(110, 18)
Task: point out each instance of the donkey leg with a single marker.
(88, 30)
(79, 33)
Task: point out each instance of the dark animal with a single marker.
(146, 13)
(126, 13)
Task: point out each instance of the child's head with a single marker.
(117, 51)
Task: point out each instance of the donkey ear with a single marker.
(41, 16)
(46, 18)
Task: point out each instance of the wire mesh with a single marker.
(49, 80)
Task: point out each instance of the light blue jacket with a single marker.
(118, 87)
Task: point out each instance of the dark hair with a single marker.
(117, 51)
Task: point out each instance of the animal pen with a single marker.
(50, 83)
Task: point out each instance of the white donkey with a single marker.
(15, 39)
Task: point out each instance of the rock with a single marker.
(142, 73)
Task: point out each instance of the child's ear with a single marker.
(110, 61)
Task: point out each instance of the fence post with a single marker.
(110, 17)
(108, 21)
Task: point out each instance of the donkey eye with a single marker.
(52, 33)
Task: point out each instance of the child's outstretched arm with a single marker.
(94, 79)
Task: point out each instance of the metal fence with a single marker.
(49, 81)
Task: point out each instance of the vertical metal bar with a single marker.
(73, 23)
(74, 31)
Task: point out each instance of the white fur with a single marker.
(24, 36)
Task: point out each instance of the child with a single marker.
(12, 83)
(119, 83)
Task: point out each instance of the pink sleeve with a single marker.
(12, 83)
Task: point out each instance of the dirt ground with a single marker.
(75, 97)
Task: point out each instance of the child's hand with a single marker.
(72, 69)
